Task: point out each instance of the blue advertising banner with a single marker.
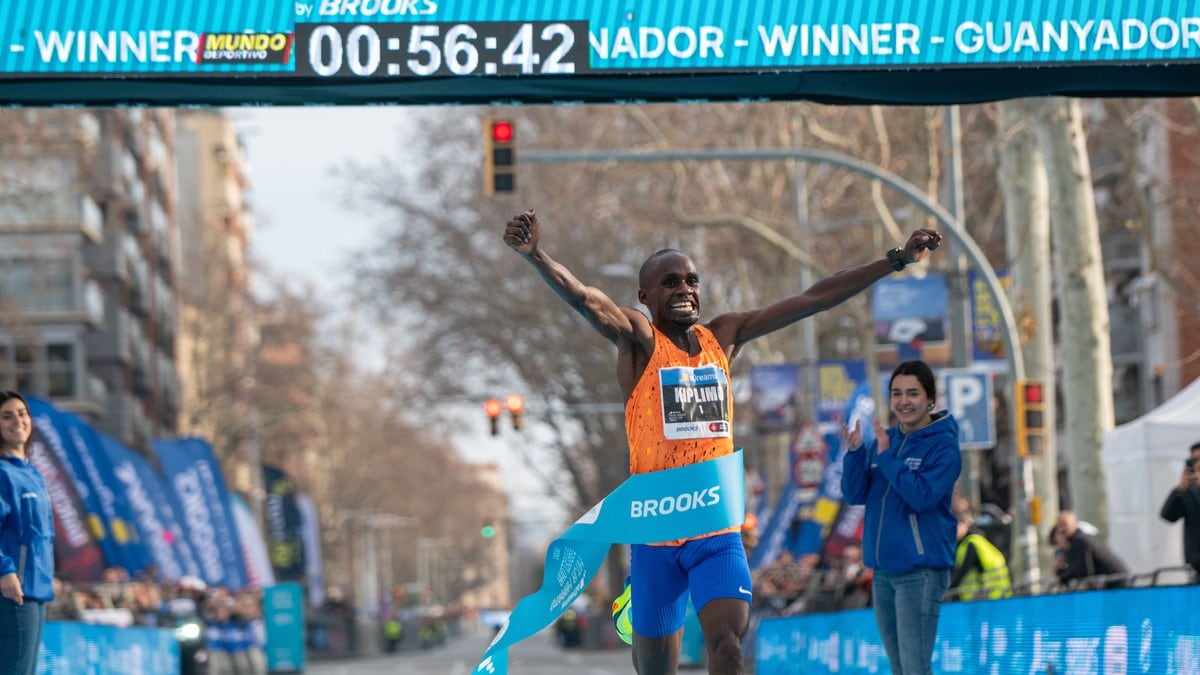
(193, 474)
(987, 338)
(283, 616)
(81, 454)
(773, 534)
(910, 310)
(153, 511)
(438, 38)
(774, 389)
(1143, 630)
(88, 649)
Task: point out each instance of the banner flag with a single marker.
(310, 530)
(78, 448)
(254, 548)
(192, 472)
(152, 511)
(284, 539)
(646, 508)
(77, 556)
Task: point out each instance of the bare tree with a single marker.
(1023, 180)
(1084, 328)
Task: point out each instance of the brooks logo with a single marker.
(687, 501)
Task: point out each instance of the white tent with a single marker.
(1143, 460)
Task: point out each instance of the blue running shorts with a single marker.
(712, 567)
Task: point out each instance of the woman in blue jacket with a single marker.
(26, 542)
(906, 479)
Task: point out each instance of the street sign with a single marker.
(809, 456)
(969, 399)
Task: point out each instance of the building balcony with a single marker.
(92, 402)
(53, 213)
(59, 305)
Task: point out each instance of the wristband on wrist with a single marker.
(895, 256)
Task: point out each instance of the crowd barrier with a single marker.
(1110, 632)
(93, 649)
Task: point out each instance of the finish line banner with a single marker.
(646, 508)
(418, 39)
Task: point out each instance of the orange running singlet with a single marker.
(681, 411)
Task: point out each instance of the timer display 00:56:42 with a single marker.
(441, 49)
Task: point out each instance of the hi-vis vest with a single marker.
(993, 582)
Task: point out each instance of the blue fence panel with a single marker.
(89, 649)
(1138, 630)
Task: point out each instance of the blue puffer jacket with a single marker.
(26, 528)
(908, 522)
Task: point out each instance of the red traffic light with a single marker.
(514, 403)
(1033, 392)
(492, 408)
(502, 131)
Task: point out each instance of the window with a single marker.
(60, 372)
(33, 284)
(43, 370)
(25, 368)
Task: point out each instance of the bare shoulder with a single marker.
(727, 327)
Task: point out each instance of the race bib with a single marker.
(695, 402)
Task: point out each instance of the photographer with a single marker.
(1184, 502)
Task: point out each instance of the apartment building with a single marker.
(88, 249)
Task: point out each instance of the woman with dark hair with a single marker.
(906, 479)
(26, 542)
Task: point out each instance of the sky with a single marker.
(305, 234)
(303, 231)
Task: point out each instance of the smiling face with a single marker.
(670, 289)
(15, 426)
(909, 402)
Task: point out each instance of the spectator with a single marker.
(980, 570)
(26, 542)
(1084, 557)
(905, 477)
(63, 607)
(1184, 502)
(856, 578)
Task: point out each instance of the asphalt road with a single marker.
(537, 655)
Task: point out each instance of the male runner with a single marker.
(674, 374)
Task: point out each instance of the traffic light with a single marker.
(1031, 417)
(488, 530)
(492, 408)
(516, 408)
(499, 156)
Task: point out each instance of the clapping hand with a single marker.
(853, 437)
(882, 442)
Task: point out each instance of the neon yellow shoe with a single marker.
(620, 612)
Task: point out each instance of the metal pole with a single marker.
(809, 381)
(960, 298)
